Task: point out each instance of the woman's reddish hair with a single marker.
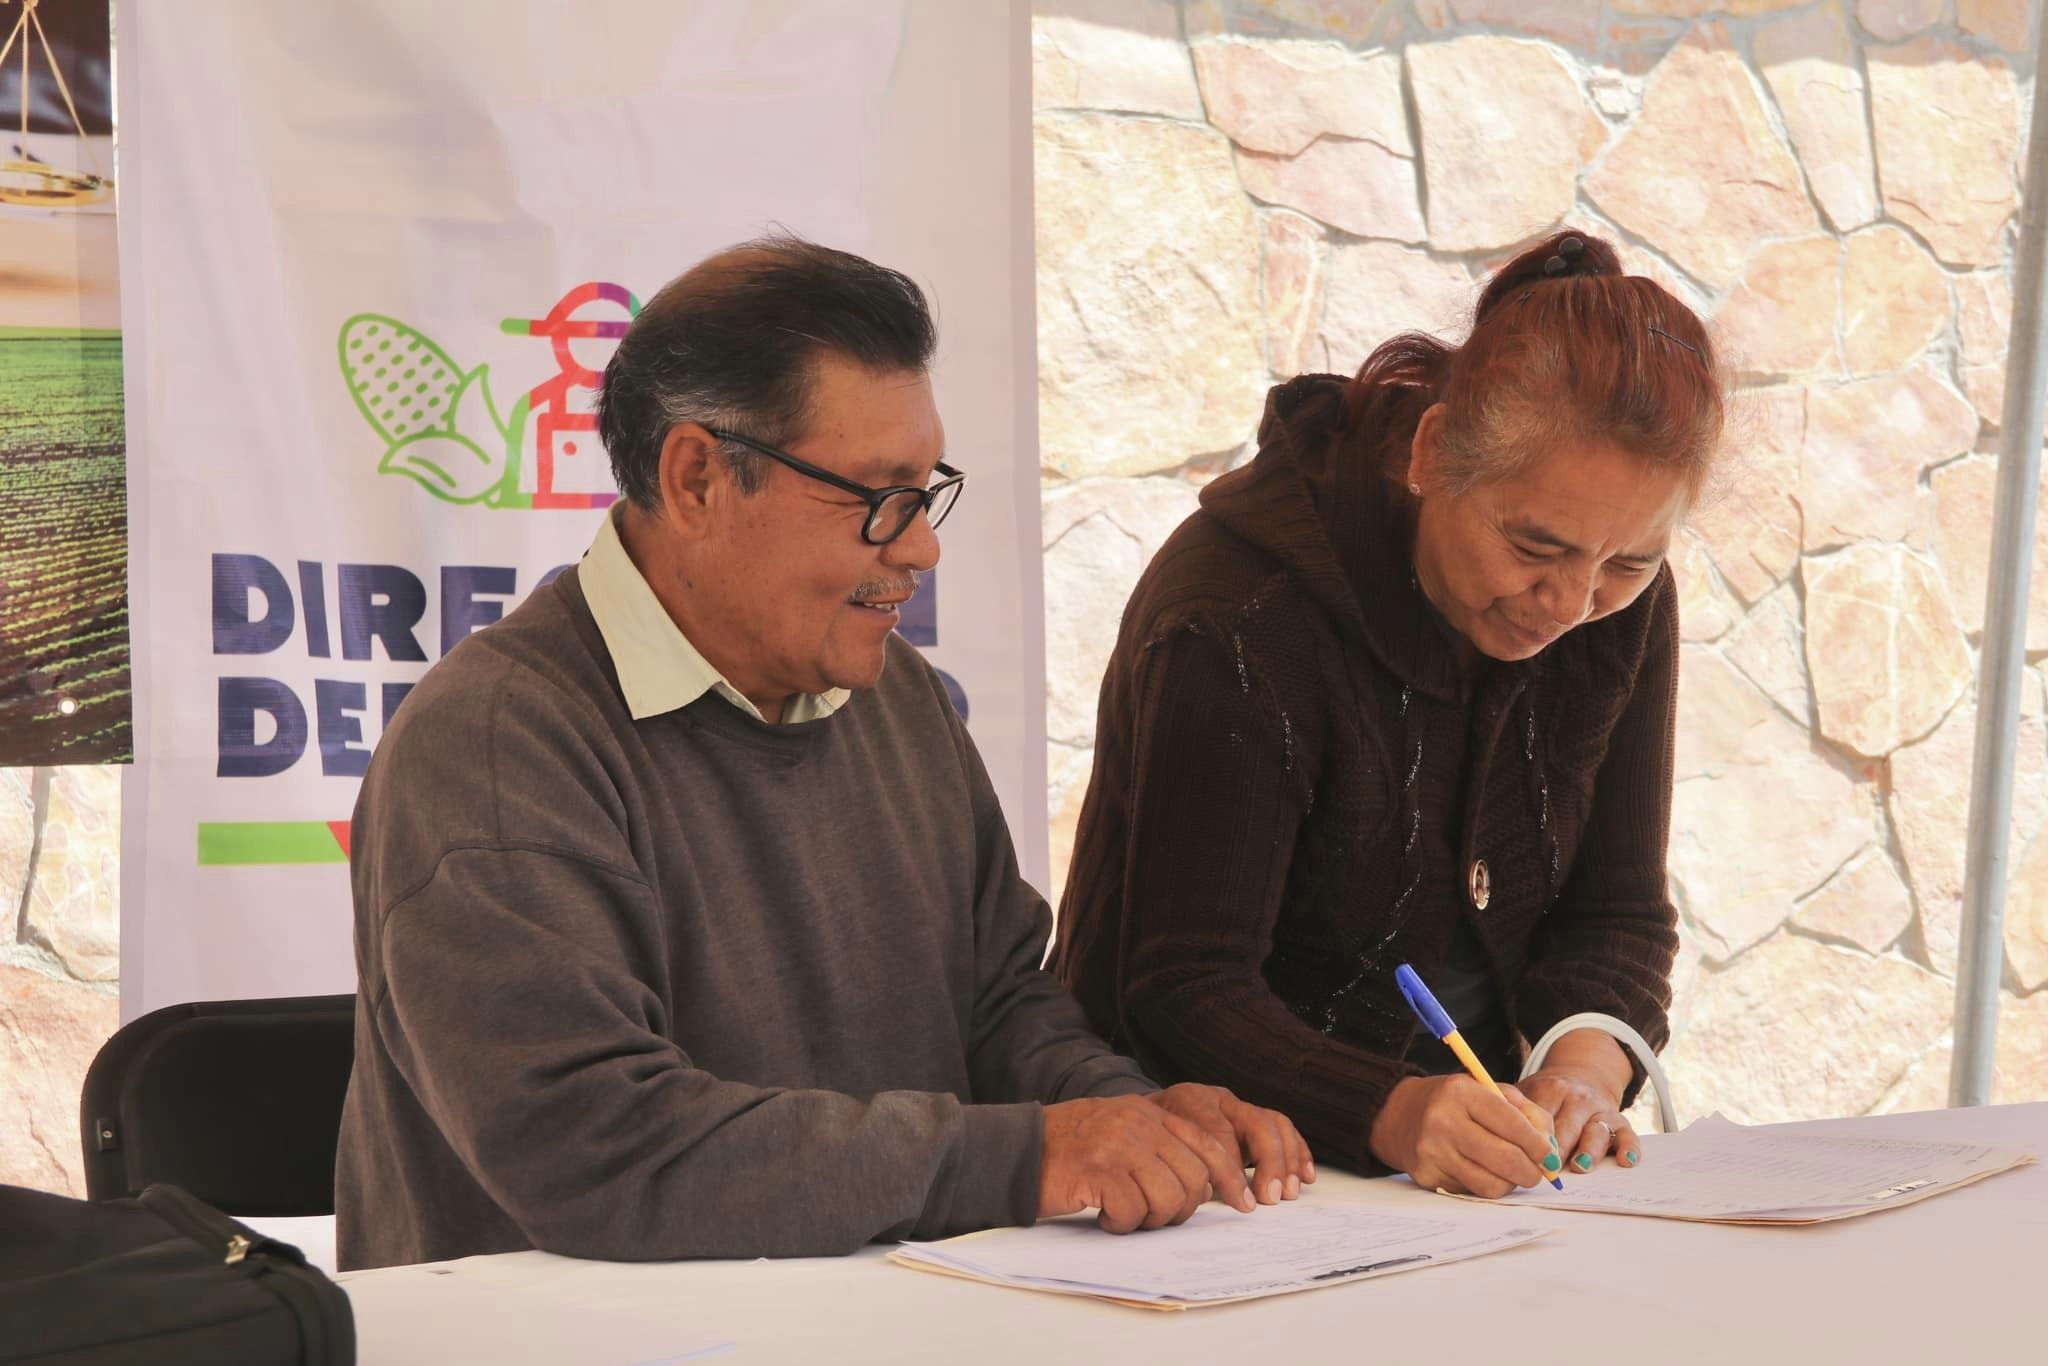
(1592, 356)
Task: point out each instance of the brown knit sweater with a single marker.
(1293, 781)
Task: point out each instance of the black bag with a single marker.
(160, 1278)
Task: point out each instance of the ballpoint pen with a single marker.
(1440, 1024)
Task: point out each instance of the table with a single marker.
(1962, 1277)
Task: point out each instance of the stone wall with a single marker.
(1234, 191)
(60, 850)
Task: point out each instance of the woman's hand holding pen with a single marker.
(1451, 1133)
(1580, 1085)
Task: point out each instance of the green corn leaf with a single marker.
(452, 468)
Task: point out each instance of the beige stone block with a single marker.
(1894, 300)
(1930, 810)
(1674, 282)
(1750, 515)
(1965, 501)
(1377, 289)
(2004, 22)
(2026, 915)
(1686, 970)
(1722, 717)
(1769, 647)
(1951, 179)
(1706, 609)
(74, 902)
(1700, 172)
(17, 843)
(1885, 652)
(1503, 122)
(1360, 187)
(1199, 17)
(1867, 443)
(1984, 327)
(1689, 9)
(1575, 23)
(1925, 1084)
(2019, 1069)
(1780, 320)
(1150, 345)
(1617, 100)
(1810, 61)
(1635, 48)
(1120, 55)
(1760, 815)
(1291, 285)
(1099, 535)
(1890, 20)
(1357, 22)
(1859, 1022)
(49, 1031)
(1069, 769)
(1865, 905)
(1278, 97)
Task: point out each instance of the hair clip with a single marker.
(1679, 340)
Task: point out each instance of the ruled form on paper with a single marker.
(1719, 1171)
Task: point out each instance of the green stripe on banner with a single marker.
(232, 842)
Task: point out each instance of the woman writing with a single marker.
(1402, 690)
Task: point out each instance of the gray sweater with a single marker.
(692, 986)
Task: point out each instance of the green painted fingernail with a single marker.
(1631, 1157)
(1553, 1143)
(1551, 1163)
(1585, 1161)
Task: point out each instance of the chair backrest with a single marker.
(238, 1102)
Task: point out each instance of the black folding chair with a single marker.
(238, 1102)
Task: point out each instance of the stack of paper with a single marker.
(1217, 1256)
(1719, 1171)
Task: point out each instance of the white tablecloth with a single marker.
(1962, 1277)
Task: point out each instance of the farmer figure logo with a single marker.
(441, 427)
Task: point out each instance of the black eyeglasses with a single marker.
(890, 510)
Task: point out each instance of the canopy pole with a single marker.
(2001, 667)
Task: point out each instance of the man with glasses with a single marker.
(687, 922)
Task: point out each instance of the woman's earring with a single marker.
(1415, 488)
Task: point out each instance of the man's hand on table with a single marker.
(1149, 1161)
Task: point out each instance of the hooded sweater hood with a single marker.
(1325, 505)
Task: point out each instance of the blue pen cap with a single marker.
(1422, 1003)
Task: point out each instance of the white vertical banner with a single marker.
(374, 256)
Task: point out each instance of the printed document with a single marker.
(1218, 1255)
(1719, 1171)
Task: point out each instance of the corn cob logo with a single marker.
(438, 423)
(442, 429)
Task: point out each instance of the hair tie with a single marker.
(1566, 261)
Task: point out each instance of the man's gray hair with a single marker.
(734, 344)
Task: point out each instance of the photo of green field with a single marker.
(64, 677)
